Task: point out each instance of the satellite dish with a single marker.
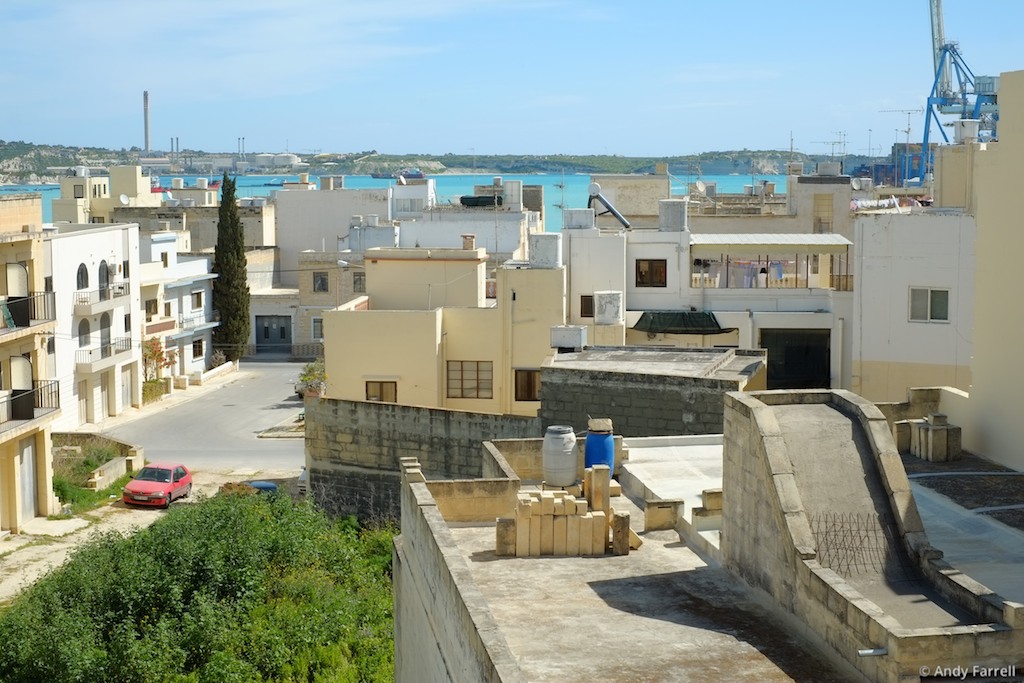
(856, 183)
(123, 199)
(701, 187)
(594, 189)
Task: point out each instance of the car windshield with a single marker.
(154, 474)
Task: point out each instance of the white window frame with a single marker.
(929, 293)
(313, 334)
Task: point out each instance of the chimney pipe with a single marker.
(145, 115)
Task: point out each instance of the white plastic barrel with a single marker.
(559, 456)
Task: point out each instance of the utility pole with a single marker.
(906, 154)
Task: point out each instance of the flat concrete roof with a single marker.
(674, 362)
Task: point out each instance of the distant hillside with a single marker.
(22, 162)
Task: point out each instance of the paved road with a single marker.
(218, 429)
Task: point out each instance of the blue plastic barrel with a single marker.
(599, 450)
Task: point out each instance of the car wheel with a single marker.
(188, 491)
(167, 504)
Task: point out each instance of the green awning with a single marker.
(679, 322)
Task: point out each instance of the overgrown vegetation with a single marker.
(234, 588)
(152, 390)
(72, 469)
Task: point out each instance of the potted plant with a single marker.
(312, 379)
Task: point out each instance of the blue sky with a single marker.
(641, 78)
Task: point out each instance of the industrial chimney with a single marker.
(145, 116)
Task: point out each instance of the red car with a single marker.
(158, 483)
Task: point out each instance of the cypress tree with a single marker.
(230, 289)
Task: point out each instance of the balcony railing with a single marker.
(112, 291)
(24, 405)
(96, 353)
(187, 322)
(20, 311)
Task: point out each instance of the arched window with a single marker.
(83, 277)
(104, 278)
(83, 333)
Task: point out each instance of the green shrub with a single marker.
(234, 588)
(152, 390)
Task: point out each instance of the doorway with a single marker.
(273, 334)
(797, 359)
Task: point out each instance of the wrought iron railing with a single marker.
(24, 405)
(95, 353)
(112, 291)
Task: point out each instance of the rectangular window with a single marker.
(382, 391)
(470, 379)
(151, 308)
(651, 273)
(822, 213)
(359, 283)
(128, 324)
(929, 305)
(124, 269)
(164, 259)
(320, 281)
(197, 301)
(587, 306)
(527, 385)
(197, 348)
(79, 191)
(167, 309)
(318, 328)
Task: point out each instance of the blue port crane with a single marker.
(971, 97)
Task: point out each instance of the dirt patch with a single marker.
(47, 544)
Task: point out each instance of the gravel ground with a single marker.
(973, 491)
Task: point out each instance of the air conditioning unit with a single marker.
(570, 337)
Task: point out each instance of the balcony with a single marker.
(100, 300)
(198, 320)
(22, 313)
(22, 406)
(103, 356)
(157, 323)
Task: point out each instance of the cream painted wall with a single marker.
(899, 252)
(379, 345)
(476, 334)
(419, 279)
(998, 325)
(596, 261)
(315, 219)
(634, 196)
(674, 248)
(954, 176)
(17, 210)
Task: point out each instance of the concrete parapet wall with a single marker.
(636, 405)
(474, 500)
(444, 630)
(767, 541)
(353, 449)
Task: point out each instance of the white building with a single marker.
(177, 295)
(97, 353)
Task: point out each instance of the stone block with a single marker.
(586, 534)
(601, 481)
(572, 535)
(901, 435)
(661, 514)
(535, 536)
(560, 535)
(599, 532)
(547, 503)
(588, 475)
(547, 534)
(620, 533)
(581, 506)
(614, 489)
(712, 499)
(634, 540)
(559, 510)
(522, 536)
(535, 507)
(505, 537)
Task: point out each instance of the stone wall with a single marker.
(353, 449)
(638, 404)
(444, 630)
(768, 542)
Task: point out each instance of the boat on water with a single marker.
(382, 174)
(408, 173)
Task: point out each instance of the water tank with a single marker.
(201, 183)
(172, 202)
(559, 456)
(188, 203)
(608, 308)
(259, 201)
(965, 130)
(600, 444)
(245, 201)
(177, 183)
(577, 219)
(545, 250)
(372, 220)
(672, 215)
(829, 168)
(568, 336)
(795, 168)
(82, 171)
(357, 220)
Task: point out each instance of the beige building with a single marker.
(29, 396)
(86, 196)
(426, 334)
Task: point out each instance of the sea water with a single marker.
(569, 191)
